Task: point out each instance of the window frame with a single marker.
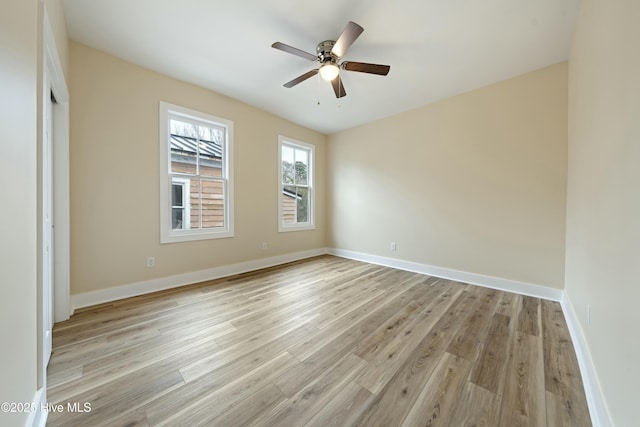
(310, 148)
(167, 233)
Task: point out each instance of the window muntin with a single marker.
(295, 189)
(196, 161)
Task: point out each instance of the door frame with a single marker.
(62, 308)
(51, 80)
(46, 278)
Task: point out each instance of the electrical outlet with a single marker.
(264, 246)
(393, 246)
(151, 262)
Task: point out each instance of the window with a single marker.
(196, 187)
(295, 189)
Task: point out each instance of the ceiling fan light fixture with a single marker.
(329, 71)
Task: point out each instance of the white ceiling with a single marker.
(436, 48)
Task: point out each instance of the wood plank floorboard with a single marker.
(324, 341)
(490, 367)
(522, 402)
(397, 397)
(439, 396)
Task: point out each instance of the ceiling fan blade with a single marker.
(295, 51)
(301, 78)
(338, 87)
(350, 33)
(363, 67)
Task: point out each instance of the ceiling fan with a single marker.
(328, 54)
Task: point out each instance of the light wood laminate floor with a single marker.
(321, 342)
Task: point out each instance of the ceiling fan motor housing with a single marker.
(324, 52)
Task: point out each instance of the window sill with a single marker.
(190, 236)
(286, 228)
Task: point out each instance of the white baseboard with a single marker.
(38, 418)
(459, 276)
(87, 299)
(597, 405)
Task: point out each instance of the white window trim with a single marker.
(311, 224)
(167, 234)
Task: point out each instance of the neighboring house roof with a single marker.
(291, 194)
(185, 144)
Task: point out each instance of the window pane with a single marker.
(194, 204)
(176, 195)
(287, 172)
(302, 205)
(176, 218)
(211, 133)
(206, 204)
(289, 198)
(302, 167)
(180, 128)
(295, 204)
(182, 144)
(212, 204)
(210, 158)
(287, 165)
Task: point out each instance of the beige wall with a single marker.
(603, 203)
(18, 82)
(474, 183)
(115, 176)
